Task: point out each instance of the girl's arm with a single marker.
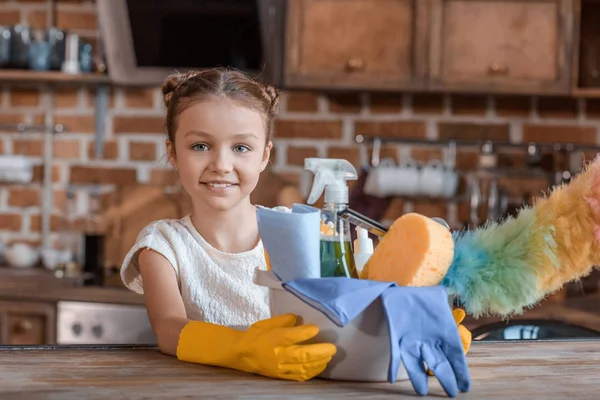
(163, 302)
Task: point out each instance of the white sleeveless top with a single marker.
(216, 287)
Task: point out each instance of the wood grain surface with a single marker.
(516, 370)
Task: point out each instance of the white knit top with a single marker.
(215, 286)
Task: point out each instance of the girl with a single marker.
(196, 272)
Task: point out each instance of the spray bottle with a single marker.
(331, 176)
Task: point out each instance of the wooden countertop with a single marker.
(37, 284)
(499, 370)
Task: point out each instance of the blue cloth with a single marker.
(292, 241)
(421, 325)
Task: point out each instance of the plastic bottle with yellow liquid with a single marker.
(331, 176)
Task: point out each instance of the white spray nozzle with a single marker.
(331, 175)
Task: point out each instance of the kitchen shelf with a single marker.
(24, 128)
(51, 77)
(590, 93)
(361, 139)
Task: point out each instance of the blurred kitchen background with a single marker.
(459, 109)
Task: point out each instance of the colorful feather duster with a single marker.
(504, 267)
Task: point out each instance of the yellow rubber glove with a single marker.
(270, 348)
(465, 335)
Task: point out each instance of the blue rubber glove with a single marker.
(340, 299)
(423, 328)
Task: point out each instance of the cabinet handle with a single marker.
(23, 326)
(355, 65)
(497, 69)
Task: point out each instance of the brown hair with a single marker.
(181, 90)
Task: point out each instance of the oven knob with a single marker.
(97, 329)
(76, 329)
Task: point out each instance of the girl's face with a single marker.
(219, 152)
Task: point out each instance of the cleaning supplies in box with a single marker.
(331, 176)
(291, 241)
(426, 334)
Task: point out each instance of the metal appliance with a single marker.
(99, 323)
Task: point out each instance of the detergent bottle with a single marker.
(331, 176)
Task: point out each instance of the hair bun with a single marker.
(273, 96)
(171, 84)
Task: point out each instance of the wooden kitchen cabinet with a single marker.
(497, 46)
(356, 44)
(27, 323)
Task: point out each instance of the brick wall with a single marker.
(310, 124)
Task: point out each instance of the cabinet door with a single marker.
(501, 45)
(355, 44)
(24, 323)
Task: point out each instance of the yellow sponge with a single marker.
(416, 251)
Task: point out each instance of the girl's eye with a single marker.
(241, 148)
(199, 147)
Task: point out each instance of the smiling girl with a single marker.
(196, 272)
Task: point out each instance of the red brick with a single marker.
(10, 222)
(11, 118)
(139, 98)
(84, 20)
(24, 197)
(35, 223)
(164, 177)
(24, 97)
(38, 173)
(559, 133)
(426, 154)
(302, 102)
(386, 103)
(37, 19)
(308, 129)
(351, 154)
(29, 147)
(110, 150)
(557, 107)
(66, 98)
(59, 199)
(138, 124)
(423, 103)
(76, 123)
(67, 149)
(513, 106)
(473, 131)
(98, 175)
(344, 103)
(9, 17)
(393, 129)
(296, 155)
(142, 151)
(469, 104)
